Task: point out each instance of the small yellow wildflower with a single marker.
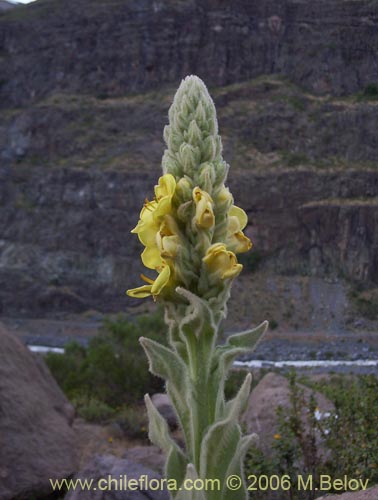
(277, 436)
(221, 261)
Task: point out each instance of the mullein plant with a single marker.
(192, 231)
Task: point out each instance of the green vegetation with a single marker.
(370, 92)
(348, 435)
(294, 159)
(366, 303)
(111, 374)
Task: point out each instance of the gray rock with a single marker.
(149, 456)
(164, 406)
(106, 467)
(37, 442)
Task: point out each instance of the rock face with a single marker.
(109, 467)
(4, 5)
(66, 242)
(37, 442)
(118, 47)
(260, 417)
(81, 139)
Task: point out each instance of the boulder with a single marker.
(163, 404)
(150, 456)
(370, 494)
(274, 391)
(115, 471)
(37, 441)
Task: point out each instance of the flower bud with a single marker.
(204, 216)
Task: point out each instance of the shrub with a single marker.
(371, 91)
(113, 369)
(134, 422)
(350, 437)
(92, 409)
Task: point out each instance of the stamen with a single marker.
(147, 280)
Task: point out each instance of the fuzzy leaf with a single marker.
(175, 467)
(158, 428)
(186, 494)
(237, 405)
(163, 362)
(236, 468)
(218, 447)
(250, 338)
(168, 365)
(199, 315)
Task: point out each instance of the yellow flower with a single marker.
(221, 261)
(236, 239)
(153, 211)
(154, 287)
(277, 436)
(167, 239)
(151, 217)
(204, 217)
(163, 246)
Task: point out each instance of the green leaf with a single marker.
(168, 365)
(199, 316)
(236, 406)
(175, 467)
(218, 447)
(163, 362)
(250, 338)
(158, 431)
(236, 468)
(186, 494)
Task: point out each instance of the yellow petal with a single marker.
(167, 245)
(151, 257)
(140, 292)
(166, 186)
(204, 208)
(239, 242)
(239, 214)
(161, 281)
(221, 261)
(233, 271)
(148, 236)
(233, 225)
(163, 207)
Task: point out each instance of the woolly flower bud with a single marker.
(184, 189)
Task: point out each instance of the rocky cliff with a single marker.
(66, 242)
(114, 47)
(85, 91)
